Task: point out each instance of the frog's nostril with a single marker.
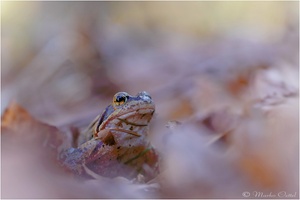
(144, 93)
(145, 96)
(147, 99)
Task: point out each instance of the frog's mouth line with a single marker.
(141, 111)
(131, 123)
(126, 131)
(123, 116)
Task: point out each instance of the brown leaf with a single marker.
(21, 126)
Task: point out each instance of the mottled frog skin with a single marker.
(116, 144)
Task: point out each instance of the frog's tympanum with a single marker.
(116, 144)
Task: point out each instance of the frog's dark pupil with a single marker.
(120, 99)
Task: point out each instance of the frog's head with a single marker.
(128, 115)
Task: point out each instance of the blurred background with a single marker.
(228, 71)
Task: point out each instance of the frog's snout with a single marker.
(145, 96)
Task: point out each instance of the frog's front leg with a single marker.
(73, 159)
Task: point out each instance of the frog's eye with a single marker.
(120, 98)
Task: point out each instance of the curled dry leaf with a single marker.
(22, 126)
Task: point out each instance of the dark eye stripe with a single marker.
(108, 110)
(99, 123)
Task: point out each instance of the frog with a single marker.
(116, 142)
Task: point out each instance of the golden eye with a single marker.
(120, 98)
